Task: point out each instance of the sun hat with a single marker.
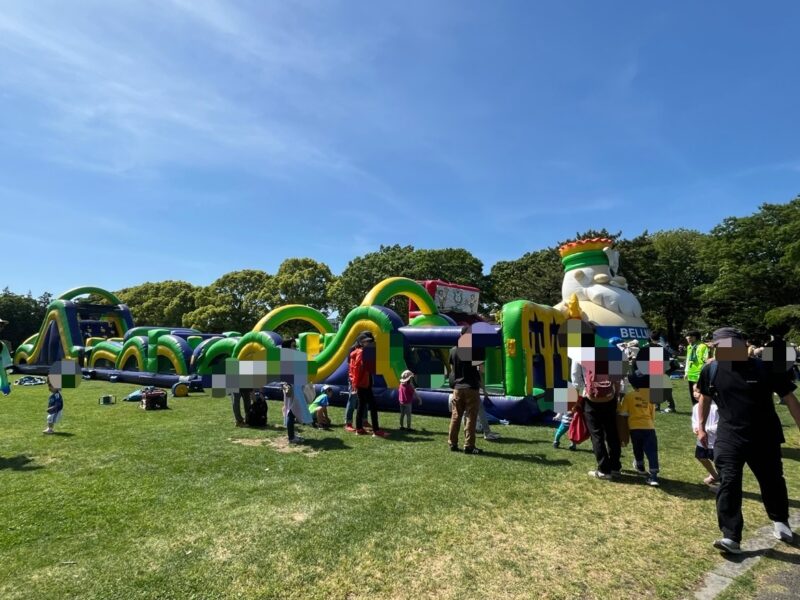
(406, 376)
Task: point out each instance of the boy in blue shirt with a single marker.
(55, 406)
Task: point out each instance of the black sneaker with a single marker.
(453, 448)
(556, 444)
(572, 447)
(472, 451)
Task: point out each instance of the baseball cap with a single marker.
(724, 333)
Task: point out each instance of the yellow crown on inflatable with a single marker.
(584, 253)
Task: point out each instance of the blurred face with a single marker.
(690, 339)
(732, 349)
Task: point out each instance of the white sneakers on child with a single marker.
(491, 436)
(297, 440)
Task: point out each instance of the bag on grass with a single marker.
(578, 431)
(153, 399)
(257, 414)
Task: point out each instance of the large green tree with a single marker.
(24, 315)
(163, 303)
(234, 302)
(754, 261)
(535, 276)
(301, 281)
(665, 271)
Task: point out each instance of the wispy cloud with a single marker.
(113, 102)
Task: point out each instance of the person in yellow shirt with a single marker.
(640, 411)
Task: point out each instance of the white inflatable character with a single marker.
(590, 275)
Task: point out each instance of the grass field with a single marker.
(180, 504)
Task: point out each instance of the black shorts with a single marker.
(700, 453)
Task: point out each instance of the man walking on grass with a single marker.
(749, 432)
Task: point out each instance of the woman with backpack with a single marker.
(599, 390)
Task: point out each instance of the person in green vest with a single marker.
(696, 356)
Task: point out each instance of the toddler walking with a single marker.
(705, 455)
(55, 408)
(565, 419)
(406, 394)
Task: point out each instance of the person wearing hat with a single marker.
(748, 432)
(360, 371)
(319, 408)
(406, 395)
(696, 356)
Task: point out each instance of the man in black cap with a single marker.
(749, 432)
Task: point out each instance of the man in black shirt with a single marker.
(749, 432)
(465, 379)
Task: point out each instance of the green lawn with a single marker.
(180, 504)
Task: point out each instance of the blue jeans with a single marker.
(645, 442)
(352, 404)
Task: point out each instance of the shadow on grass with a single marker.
(62, 434)
(771, 553)
(326, 444)
(18, 463)
(790, 453)
(539, 459)
(699, 491)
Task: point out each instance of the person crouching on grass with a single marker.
(55, 408)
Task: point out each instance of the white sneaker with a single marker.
(296, 440)
(491, 436)
(48, 431)
(783, 532)
(599, 475)
(728, 545)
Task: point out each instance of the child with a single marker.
(563, 427)
(641, 412)
(319, 408)
(706, 455)
(292, 408)
(55, 406)
(406, 394)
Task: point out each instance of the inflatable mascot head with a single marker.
(592, 283)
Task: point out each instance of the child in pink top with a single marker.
(407, 393)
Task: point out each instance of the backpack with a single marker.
(599, 386)
(257, 413)
(153, 399)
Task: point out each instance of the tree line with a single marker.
(745, 273)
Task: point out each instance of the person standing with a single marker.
(748, 432)
(696, 356)
(243, 395)
(599, 391)
(465, 380)
(655, 342)
(361, 369)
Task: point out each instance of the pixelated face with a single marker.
(779, 359)
(731, 349)
(64, 374)
(472, 346)
(690, 339)
(282, 365)
(650, 373)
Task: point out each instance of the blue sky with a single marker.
(182, 139)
